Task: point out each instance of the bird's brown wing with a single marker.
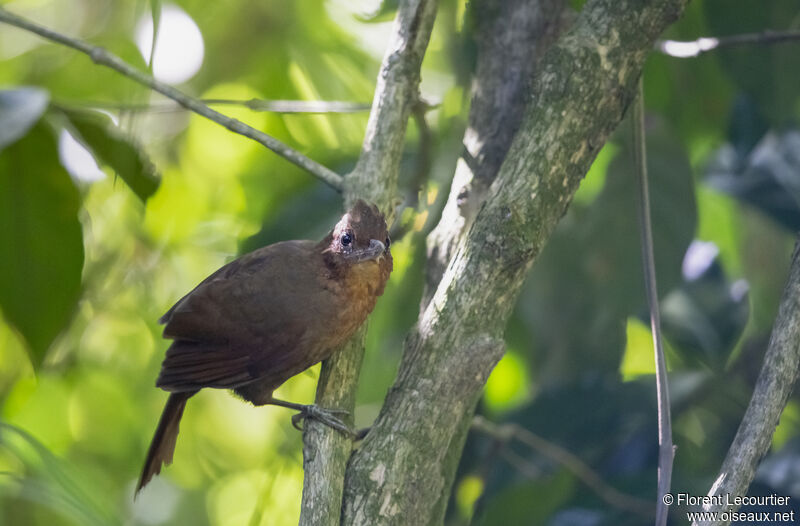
(239, 323)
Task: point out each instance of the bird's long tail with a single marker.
(163, 445)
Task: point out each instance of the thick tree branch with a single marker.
(105, 58)
(327, 452)
(775, 383)
(403, 470)
(511, 37)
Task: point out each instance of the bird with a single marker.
(267, 316)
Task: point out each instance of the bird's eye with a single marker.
(346, 239)
(388, 242)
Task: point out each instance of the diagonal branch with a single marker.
(103, 57)
(775, 383)
(569, 461)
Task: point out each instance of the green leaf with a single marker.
(50, 481)
(529, 502)
(40, 240)
(104, 140)
(19, 111)
(766, 178)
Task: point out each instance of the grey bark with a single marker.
(325, 451)
(402, 472)
(511, 36)
(375, 175)
(773, 387)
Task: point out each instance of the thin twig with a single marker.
(103, 57)
(666, 451)
(297, 106)
(568, 460)
(272, 106)
(527, 468)
(693, 48)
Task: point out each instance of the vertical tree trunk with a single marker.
(325, 451)
(402, 472)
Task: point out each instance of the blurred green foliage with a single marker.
(88, 263)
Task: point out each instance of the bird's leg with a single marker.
(323, 415)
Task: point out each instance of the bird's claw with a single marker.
(324, 416)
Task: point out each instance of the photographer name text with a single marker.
(686, 499)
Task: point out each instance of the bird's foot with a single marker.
(322, 415)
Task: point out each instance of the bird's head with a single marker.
(360, 238)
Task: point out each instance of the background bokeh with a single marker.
(107, 218)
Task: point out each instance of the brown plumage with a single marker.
(267, 316)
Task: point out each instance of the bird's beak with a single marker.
(374, 251)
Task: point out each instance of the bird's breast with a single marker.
(357, 290)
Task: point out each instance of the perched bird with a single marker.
(267, 316)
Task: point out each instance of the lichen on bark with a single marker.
(585, 83)
(325, 451)
(403, 471)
